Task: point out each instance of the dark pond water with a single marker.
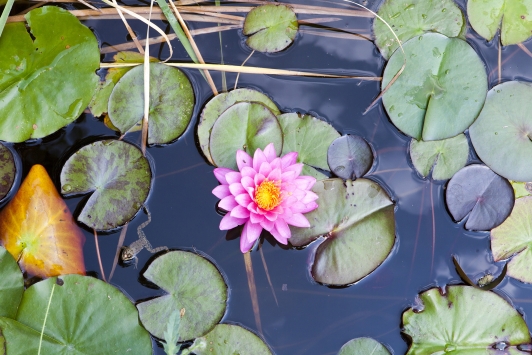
(309, 318)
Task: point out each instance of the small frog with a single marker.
(129, 253)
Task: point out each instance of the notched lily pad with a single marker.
(11, 285)
(512, 16)
(171, 102)
(221, 102)
(246, 126)
(502, 133)
(357, 220)
(271, 27)
(191, 282)
(350, 157)
(117, 175)
(441, 90)
(64, 57)
(7, 170)
(229, 339)
(363, 346)
(444, 158)
(411, 18)
(479, 192)
(464, 320)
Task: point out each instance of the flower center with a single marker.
(268, 195)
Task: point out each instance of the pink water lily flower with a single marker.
(266, 193)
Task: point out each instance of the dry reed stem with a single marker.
(31, 8)
(243, 63)
(334, 34)
(98, 254)
(132, 34)
(145, 118)
(121, 239)
(522, 46)
(268, 275)
(253, 291)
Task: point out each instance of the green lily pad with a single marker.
(463, 320)
(229, 339)
(357, 220)
(171, 102)
(441, 90)
(271, 27)
(11, 285)
(7, 170)
(502, 133)
(310, 137)
(117, 175)
(86, 316)
(512, 16)
(64, 57)
(444, 158)
(411, 18)
(191, 282)
(521, 189)
(363, 346)
(350, 157)
(246, 126)
(514, 238)
(221, 102)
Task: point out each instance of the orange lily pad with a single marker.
(37, 228)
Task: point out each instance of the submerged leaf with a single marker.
(479, 192)
(444, 158)
(229, 339)
(463, 320)
(357, 220)
(271, 27)
(191, 282)
(7, 170)
(363, 346)
(411, 18)
(64, 57)
(37, 228)
(117, 175)
(441, 90)
(11, 285)
(350, 157)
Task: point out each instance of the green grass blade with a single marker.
(5, 15)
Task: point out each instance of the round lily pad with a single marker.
(521, 188)
(221, 102)
(86, 316)
(479, 192)
(463, 320)
(512, 16)
(271, 27)
(411, 18)
(357, 220)
(229, 339)
(246, 126)
(7, 170)
(171, 102)
(350, 157)
(64, 57)
(444, 158)
(117, 175)
(191, 282)
(11, 285)
(441, 90)
(514, 238)
(363, 346)
(502, 133)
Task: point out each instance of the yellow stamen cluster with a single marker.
(268, 195)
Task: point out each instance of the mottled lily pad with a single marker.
(356, 218)
(350, 157)
(230, 339)
(502, 133)
(411, 18)
(171, 102)
(444, 158)
(463, 320)
(7, 170)
(117, 175)
(11, 285)
(441, 90)
(363, 346)
(246, 126)
(271, 27)
(514, 18)
(514, 238)
(86, 316)
(480, 193)
(221, 102)
(64, 57)
(191, 282)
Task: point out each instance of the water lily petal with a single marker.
(243, 200)
(275, 175)
(237, 189)
(272, 216)
(253, 231)
(309, 197)
(278, 236)
(221, 191)
(267, 224)
(248, 182)
(255, 218)
(240, 212)
(245, 244)
(243, 159)
(258, 159)
(233, 177)
(230, 222)
(288, 176)
(297, 220)
(305, 182)
(295, 168)
(282, 228)
(270, 153)
(228, 203)
(248, 171)
(276, 163)
(220, 173)
(259, 178)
